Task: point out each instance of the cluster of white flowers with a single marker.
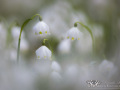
(72, 75)
(44, 53)
(73, 69)
(41, 28)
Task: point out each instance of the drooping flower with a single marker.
(73, 34)
(41, 28)
(43, 53)
(55, 66)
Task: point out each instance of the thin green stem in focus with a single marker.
(23, 25)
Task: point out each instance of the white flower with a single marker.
(107, 68)
(74, 34)
(41, 28)
(55, 76)
(55, 66)
(43, 53)
(24, 45)
(64, 46)
(15, 32)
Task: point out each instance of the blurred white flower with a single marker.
(84, 45)
(15, 33)
(24, 45)
(23, 78)
(42, 68)
(107, 68)
(13, 55)
(55, 66)
(57, 17)
(71, 74)
(43, 53)
(55, 76)
(79, 16)
(64, 46)
(41, 28)
(73, 34)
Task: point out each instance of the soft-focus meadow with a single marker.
(73, 62)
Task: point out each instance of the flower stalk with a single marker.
(23, 25)
(44, 41)
(88, 29)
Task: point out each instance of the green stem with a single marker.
(48, 45)
(23, 25)
(88, 29)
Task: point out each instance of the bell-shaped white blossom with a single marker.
(41, 28)
(73, 34)
(43, 53)
(55, 66)
(64, 46)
